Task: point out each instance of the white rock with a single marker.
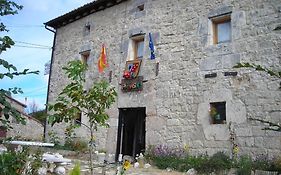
(42, 171)
(147, 165)
(136, 165)
(168, 169)
(2, 149)
(59, 170)
(191, 171)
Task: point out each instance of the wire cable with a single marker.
(22, 42)
(33, 47)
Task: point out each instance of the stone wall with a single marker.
(32, 130)
(177, 97)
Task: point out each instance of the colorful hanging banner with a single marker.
(102, 59)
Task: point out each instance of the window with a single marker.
(136, 47)
(78, 119)
(141, 7)
(221, 29)
(85, 57)
(139, 49)
(218, 112)
(86, 29)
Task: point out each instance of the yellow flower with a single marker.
(126, 165)
(235, 149)
(186, 147)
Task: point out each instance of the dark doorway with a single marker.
(131, 131)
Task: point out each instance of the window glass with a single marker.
(218, 112)
(84, 57)
(224, 32)
(140, 46)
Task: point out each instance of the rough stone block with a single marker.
(220, 11)
(228, 61)
(211, 63)
(243, 132)
(173, 122)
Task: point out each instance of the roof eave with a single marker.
(81, 12)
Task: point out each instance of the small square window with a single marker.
(86, 29)
(221, 29)
(141, 7)
(85, 57)
(218, 112)
(78, 119)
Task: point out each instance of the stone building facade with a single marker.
(196, 43)
(32, 130)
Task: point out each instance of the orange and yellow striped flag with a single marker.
(102, 59)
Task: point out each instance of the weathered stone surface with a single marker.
(177, 99)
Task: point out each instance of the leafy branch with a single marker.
(74, 100)
(259, 68)
(272, 126)
(6, 109)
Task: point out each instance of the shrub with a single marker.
(165, 151)
(262, 163)
(244, 165)
(15, 162)
(219, 161)
(75, 170)
(12, 163)
(277, 164)
(76, 145)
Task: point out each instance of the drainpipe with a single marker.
(50, 73)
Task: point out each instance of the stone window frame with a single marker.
(78, 119)
(220, 19)
(133, 47)
(220, 110)
(87, 29)
(235, 112)
(85, 56)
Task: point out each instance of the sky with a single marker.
(27, 30)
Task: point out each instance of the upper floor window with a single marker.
(139, 45)
(85, 57)
(221, 29)
(136, 48)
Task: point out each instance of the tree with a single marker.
(40, 115)
(32, 107)
(10, 71)
(271, 125)
(75, 100)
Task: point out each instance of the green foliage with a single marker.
(218, 162)
(16, 163)
(12, 163)
(40, 115)
(34, 163)
(9, 8)
(259, 68)
(75, 170)
(277, 164)
(76, 145)
(53, 137)
(244, 165)
(74, 100)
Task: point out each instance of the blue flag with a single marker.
(151, 46)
